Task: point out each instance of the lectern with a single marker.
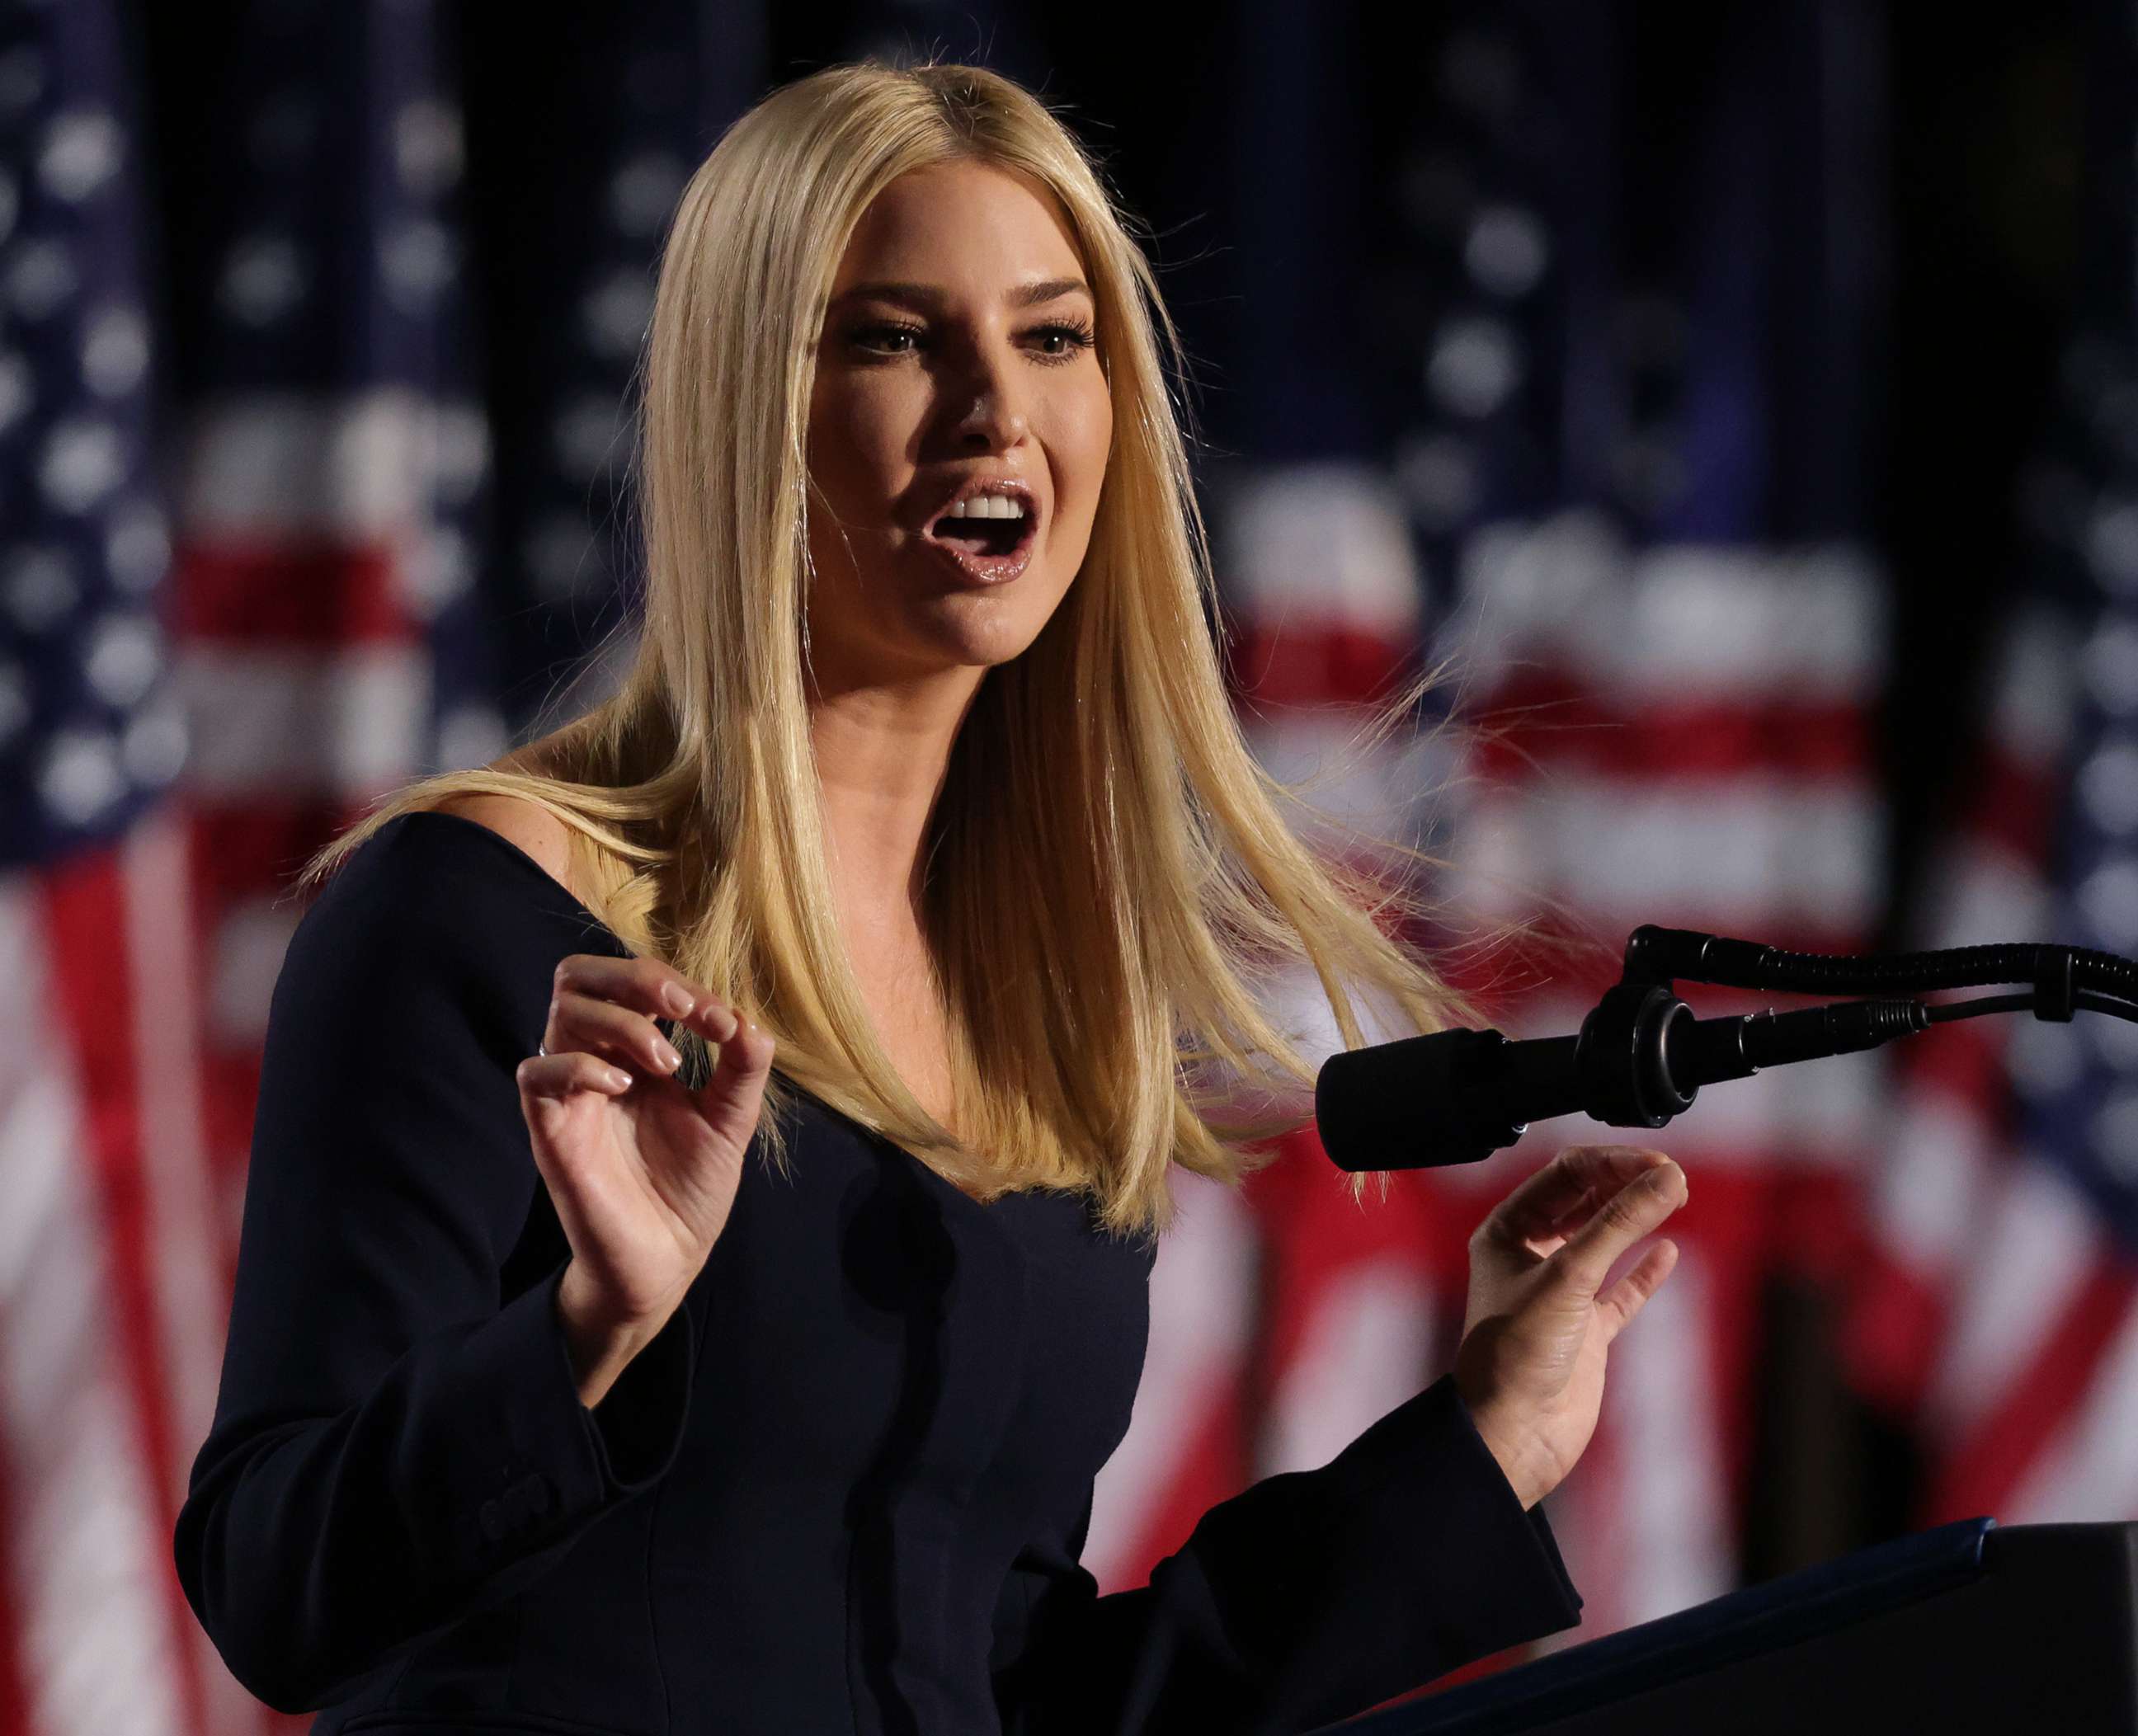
(1973, 1627)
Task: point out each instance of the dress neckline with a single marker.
(564, 894)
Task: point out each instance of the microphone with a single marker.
(1458, 1096)
(1639, 1060)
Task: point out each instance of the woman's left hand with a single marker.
(1530, 1365)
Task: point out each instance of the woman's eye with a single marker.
(1057, 343)
(878, 337)
(1074, 338)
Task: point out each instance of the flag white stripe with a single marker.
(1746, 850)
(346, 723)
(1201, 1300)
(2037, 1240)
(356, 467)
(1368, 1346)
(2091, 1475)
(88, 1562)
(193, 1311)
(1705, 622)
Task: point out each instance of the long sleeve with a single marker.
(1307, 1598)
(397, 1440)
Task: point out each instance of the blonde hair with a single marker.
(1114, 885)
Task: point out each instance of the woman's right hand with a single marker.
(642, 1169)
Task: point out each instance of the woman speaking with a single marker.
(585, 1373)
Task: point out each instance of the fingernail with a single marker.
(670, 1059)
(620, 1078)
(677, 998)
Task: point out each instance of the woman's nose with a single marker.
(988, 404)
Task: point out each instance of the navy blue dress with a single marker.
(844, 1490)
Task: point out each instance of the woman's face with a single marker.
(951, 353)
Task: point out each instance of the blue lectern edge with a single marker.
(1764, 1617)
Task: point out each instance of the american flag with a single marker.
(1558, 458)
(233, 617)
(108, 1304)
(1998, 1312)
(1668, 622)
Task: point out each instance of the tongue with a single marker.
(972, 542)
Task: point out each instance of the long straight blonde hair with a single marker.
(1114, 883)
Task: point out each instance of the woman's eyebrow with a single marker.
(927, 295)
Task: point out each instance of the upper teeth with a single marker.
(987, 506)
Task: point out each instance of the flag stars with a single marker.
(78, 780)
(82, 152)
(1474, 364)
(1506, 251)
(1438, 476)
(2108, 789)
(427, 150)
(2107, 901)
(615, 311)
(114, 352)
(416, 259)
(2110, 663)
(123, 659)
(2112, 543)
(460, 456)
(137, 548)
(586, 436)
(153, 749)
(643, 193)
(435, 570)
(83, 461)
(558, 552)
(263, 278)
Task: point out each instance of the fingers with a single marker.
(560, 1076)
(1618, 1305)
(610, 1006)
(1566, 1188)
(601, 1027)
(1635, 1209)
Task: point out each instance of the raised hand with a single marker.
(643, 1170)
(1535, 1331)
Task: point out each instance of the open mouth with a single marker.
(989, 539)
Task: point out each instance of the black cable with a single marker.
(1979, 1005)
(1658, 953)
(2085, 999)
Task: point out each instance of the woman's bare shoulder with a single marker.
(536, 830)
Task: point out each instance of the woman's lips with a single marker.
(986, 569)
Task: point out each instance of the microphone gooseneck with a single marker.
(1641, 1056)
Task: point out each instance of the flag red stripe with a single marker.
(302, 590)
(1984, 1470)
(91, 980)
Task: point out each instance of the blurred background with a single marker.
(1742, 397)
